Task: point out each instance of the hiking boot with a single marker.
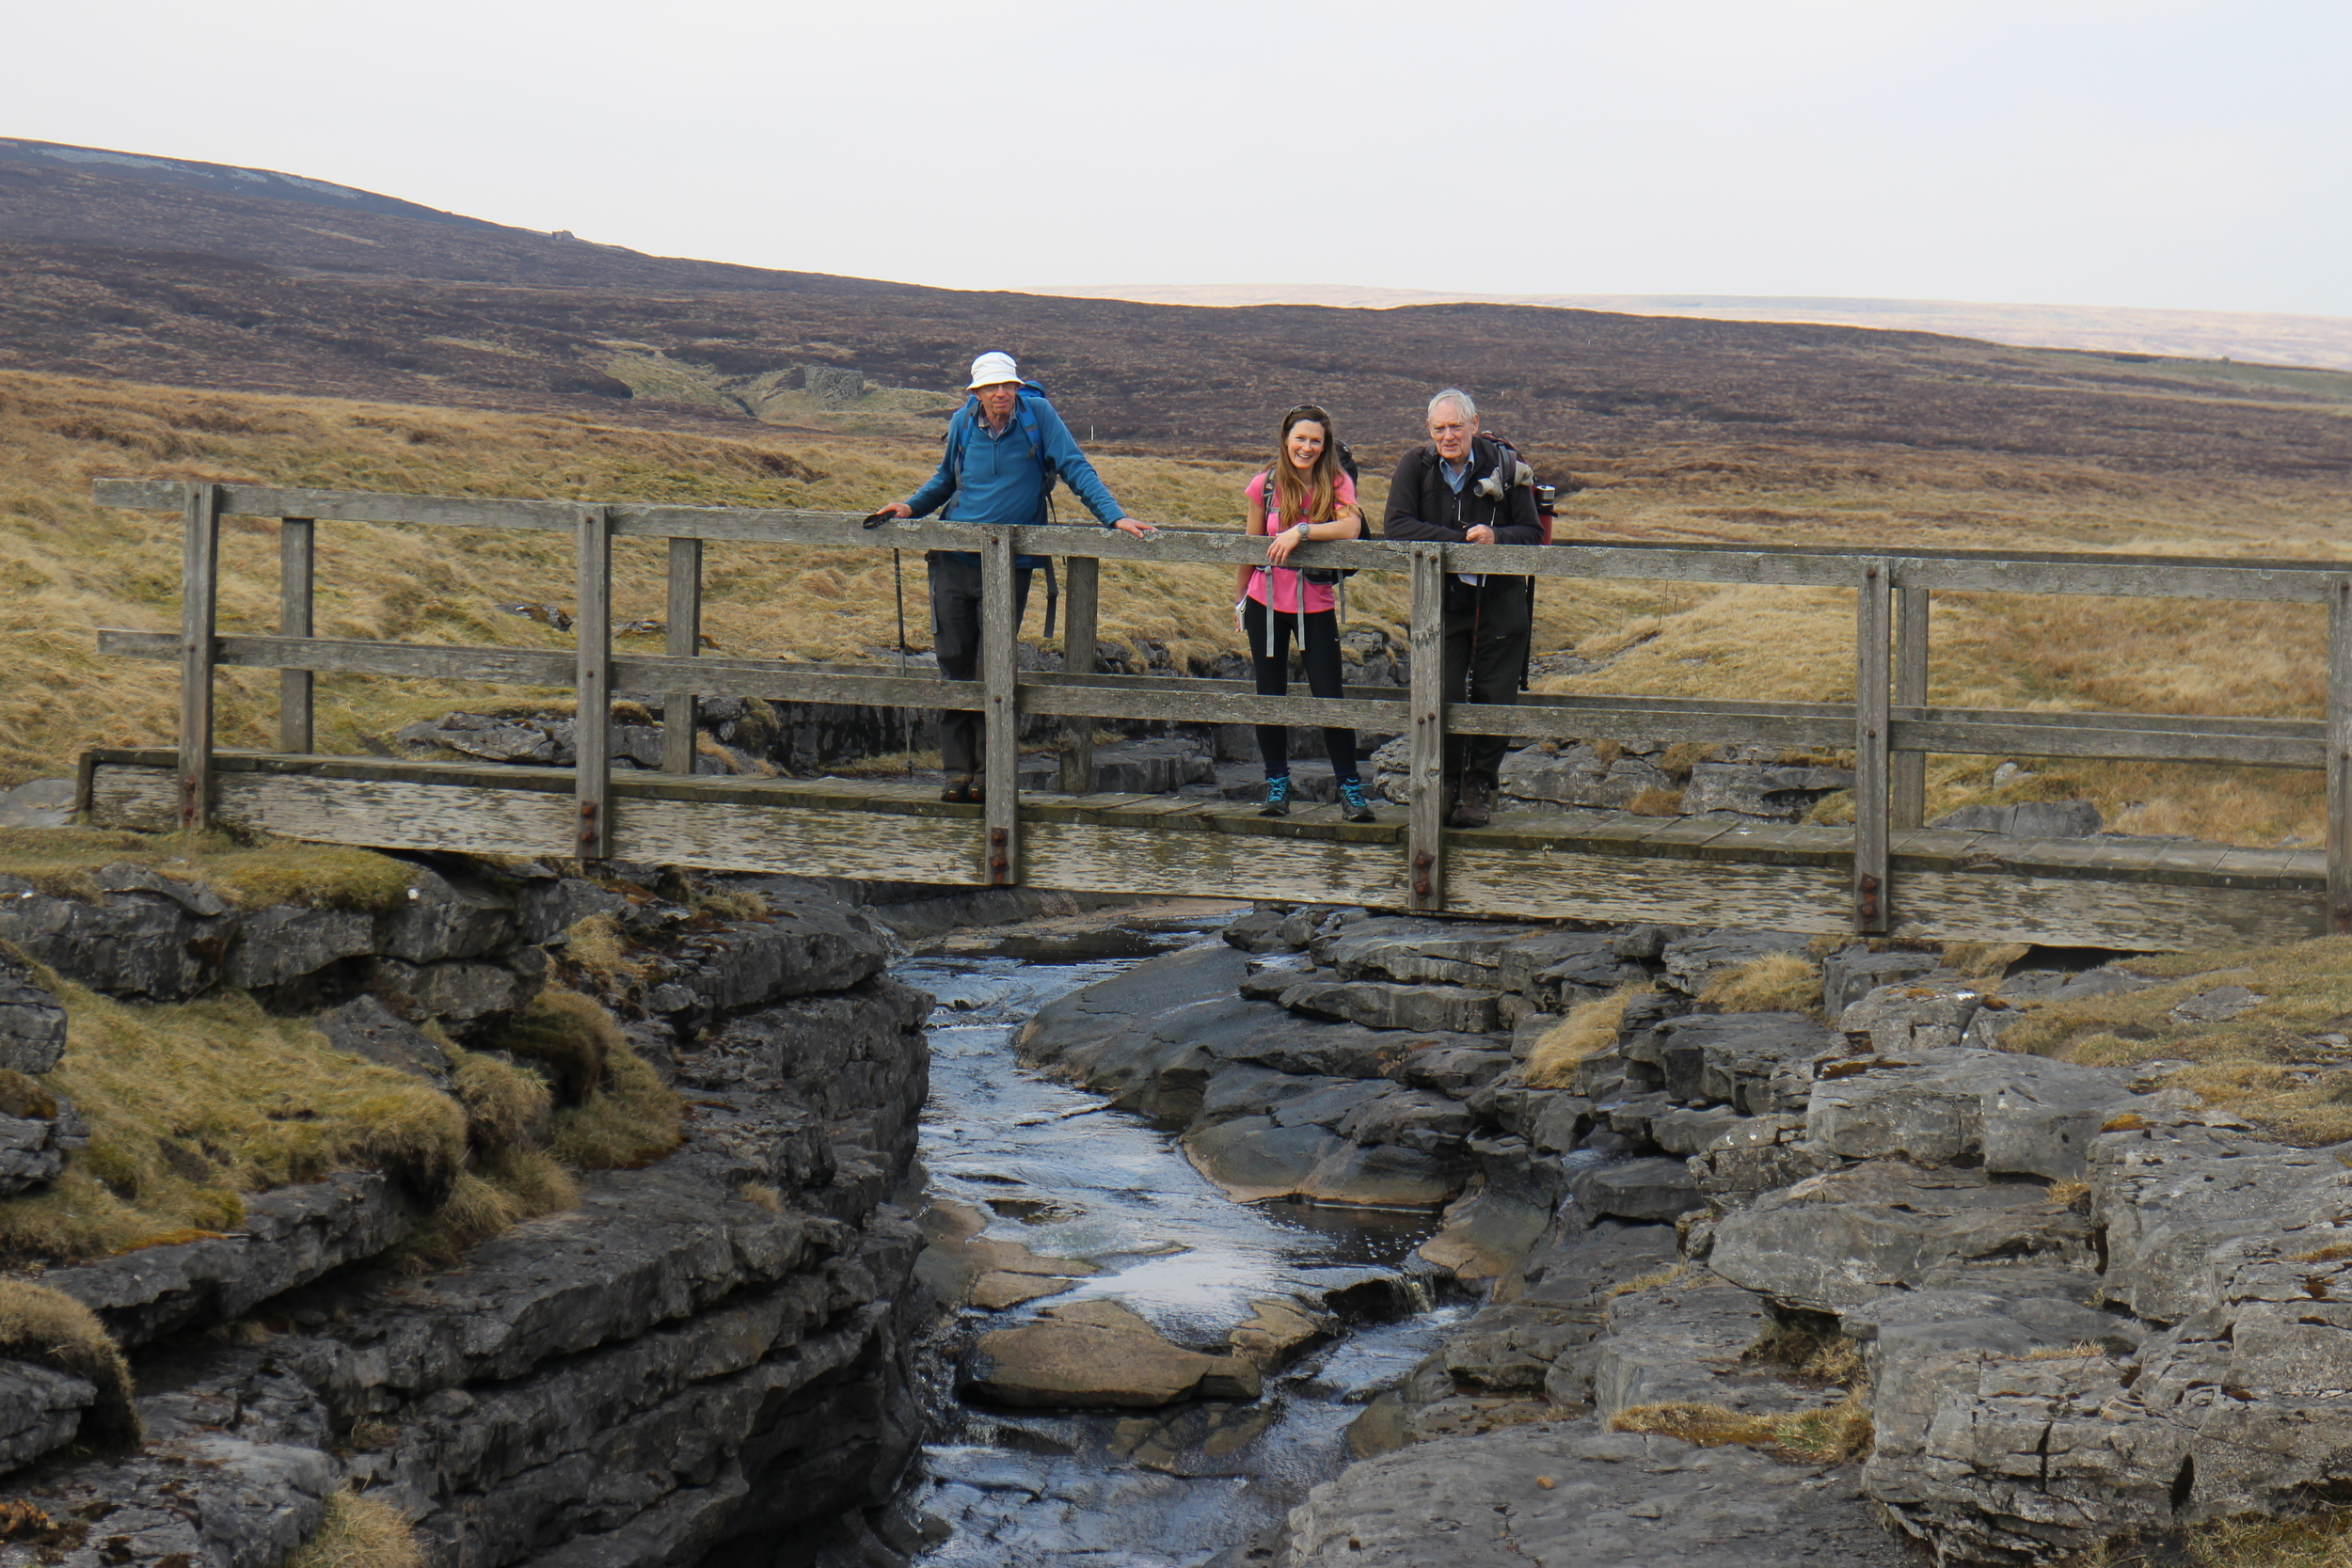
(1277, 798)
(1476, 808)
(959, 791)
(1352, 802)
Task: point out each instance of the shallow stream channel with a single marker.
(1023, 1171)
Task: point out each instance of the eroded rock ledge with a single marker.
(707, 1350)
(1830, 1274)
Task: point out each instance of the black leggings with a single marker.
(1320, 641)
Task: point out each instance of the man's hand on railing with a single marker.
(882, 515)
(1129, 525)
(1482, 535)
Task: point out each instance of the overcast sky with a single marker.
(2142, 153)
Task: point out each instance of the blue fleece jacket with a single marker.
(1003, 480)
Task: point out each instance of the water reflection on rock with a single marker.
(1053, 1215)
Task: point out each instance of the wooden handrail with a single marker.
(1889, 727)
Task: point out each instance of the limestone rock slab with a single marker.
(2017, 1114)
(32, 1020)
(1835, 1241)
(1067, 1363)
(1614, 1500)
(1382, 1005)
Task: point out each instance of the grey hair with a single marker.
(1460, 400)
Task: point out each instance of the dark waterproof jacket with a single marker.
(1421, 506)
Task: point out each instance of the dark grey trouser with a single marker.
(1486, 649)
(956, 638)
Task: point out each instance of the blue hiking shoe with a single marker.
(1352, 802)
(1277, 798)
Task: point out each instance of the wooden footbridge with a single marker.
(1886, 874)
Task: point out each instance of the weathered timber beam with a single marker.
(1649, 874)
(1874, 653)
(199, 590)
(297, 564)
(2020, 572)
(1991, 731)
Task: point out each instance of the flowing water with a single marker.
(1068, 1176)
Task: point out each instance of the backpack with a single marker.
(1322, 576)
(959, 438)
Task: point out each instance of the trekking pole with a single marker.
(906, 715)
(898, 592)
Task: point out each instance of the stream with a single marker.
(1065, 1175)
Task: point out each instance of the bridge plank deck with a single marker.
(1586, 864)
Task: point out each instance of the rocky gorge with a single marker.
(1753, 1250)
(702, 1353)
(1842, 1282)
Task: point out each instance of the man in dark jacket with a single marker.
(1463, 488)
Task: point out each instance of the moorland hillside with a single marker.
(128, 269)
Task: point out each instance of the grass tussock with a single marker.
(633, 1119)
(1656, 1280)
(1809, 1345)
(1589, 1028)
(2267, 1065)
(361, 1531)
(1828, 1436)
(506, 1107)
(491, 1196)
(192, 1105)
(1984, 960)
(49, 1328)
(1777, 982)
(2310, 1541)
(568, 1038)
(248, 871)
(600, 949)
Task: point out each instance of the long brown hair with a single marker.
(1316, 496)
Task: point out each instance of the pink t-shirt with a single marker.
(1289, 581)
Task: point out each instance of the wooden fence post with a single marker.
(1873, 654)
(297, 565)
(1000, 633)
(2340, 756)
(1908, 771)
(1425, 776)
(682, 639)
(1081, 596)
(199, 590)
(591, 720)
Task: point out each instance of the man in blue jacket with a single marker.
(1005, 448)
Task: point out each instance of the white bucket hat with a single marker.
(990, 368)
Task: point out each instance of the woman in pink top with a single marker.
(1312, 498)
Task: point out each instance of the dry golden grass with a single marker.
(1829, 1436)
(632, 1120)
(70, 567)
(192, 1105)
(361, 1531)
(489, 1197)
(247, 871)
(49, 1328)
(2313, 1541)
(1982, 961)
(568, 1038)
(1589, 1027)
(1656, 1280)
(1777, 982)
(2263, 1065)
(505, 1107)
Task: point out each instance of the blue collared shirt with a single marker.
(1455, 478)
